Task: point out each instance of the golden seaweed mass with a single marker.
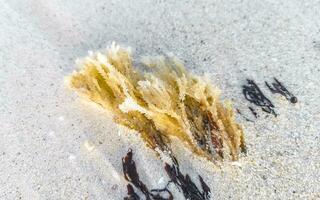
(161, 103)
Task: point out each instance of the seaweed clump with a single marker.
(162, 103)
(253, 94)
(131, 174)
(183, 182)
(278, 87)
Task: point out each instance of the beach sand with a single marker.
(55, 145)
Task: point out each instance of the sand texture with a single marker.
(55, 145)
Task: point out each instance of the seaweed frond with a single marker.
(162, 103)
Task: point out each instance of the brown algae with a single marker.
(162, 103)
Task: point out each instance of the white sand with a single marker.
(55, 146)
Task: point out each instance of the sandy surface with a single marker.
(55, 146)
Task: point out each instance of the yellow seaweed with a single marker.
(160, 104)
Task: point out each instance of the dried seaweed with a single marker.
(255, 114)
(246, 118)
(131, 194)
(160, 104)
(206, 190)
(253, 94)
(279, 88)
(131, 174)
(183, 182)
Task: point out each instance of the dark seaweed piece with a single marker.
(253, 112)
(129, 168)
(246, 118)
(253, 94)
(205, 188)
(158, 194)
(185, 184)
(131, 175)
(131, 194)
(279, 88)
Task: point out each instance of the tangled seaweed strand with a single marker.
(131, 175)
(183, 182)
(279, 88)
(253, 94)
(131, 194)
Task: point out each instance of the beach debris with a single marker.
(131, 174)
(278, 88)
(162, 103)
(185, 184)
(253, 111)
(182, 182)
(131, 194)
(253, 94)
(242, 115)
